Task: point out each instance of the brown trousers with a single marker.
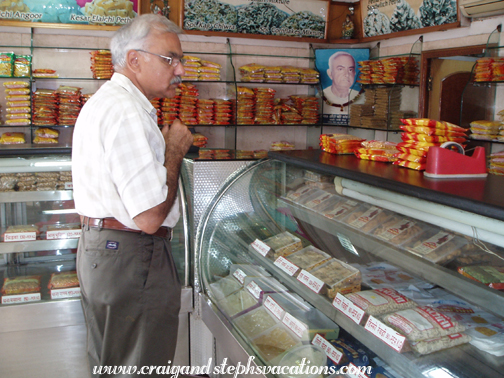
(131, 300)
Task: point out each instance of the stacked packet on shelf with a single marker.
(496, 163)
(101, 64)
(307, 107)
(245, 108)
(188, 99)
(489, 69)
(205, 111)
(169, 109)
(69, 104)
(377, 150)
(486, 130)
(419, 135)
(197, 69)
(340, 143)
(264, 105)
(45, 107)
(18, 106)
(222, 112)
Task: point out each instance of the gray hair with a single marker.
(337, 55)
(134, 35)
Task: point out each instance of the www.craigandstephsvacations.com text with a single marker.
(303, 368)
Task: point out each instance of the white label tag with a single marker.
(63, 234)
(354, 372)
(310, 280)
(299, 328)
(71, 292)
(260, 247)
(69, 185)
(347, 307)
(254, 289)
(239, 275)
(20, 298)
(20, 236)
(330, 350)
(286, 266)
(274, 308)
(386, 334)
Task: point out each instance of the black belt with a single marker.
(114, 224)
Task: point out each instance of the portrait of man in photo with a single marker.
(339, 71)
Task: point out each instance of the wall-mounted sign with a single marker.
(88, 12)
(389, 16)
(293, 18)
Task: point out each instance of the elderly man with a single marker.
(342, 72)
(125, 175)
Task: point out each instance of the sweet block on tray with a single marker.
(21, 285)
(63, 280)
(338, 277)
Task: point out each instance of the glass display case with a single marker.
(370, 263)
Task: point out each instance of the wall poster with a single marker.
(88, 12)
(389, 16)
(339, 70)
(292, 18)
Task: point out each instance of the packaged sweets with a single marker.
(381, 301)
(283, 244)
(397, 229)
(6, 64)
(422, 323)
(22, 65)
(309, 258)
(339, 277)
(444, 342)
(492, 276)
(366, 217)
(12, 138)
(436, 245)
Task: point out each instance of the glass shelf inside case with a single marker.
(289, 261)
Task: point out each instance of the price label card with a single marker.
(274, 308)
(354, 372)
(260, 247)
(386, 334)
(296, 326)
(239, 275)
(286, 266)
(330, 350)
(254, 289)
(63, 234)
(69, 185)
(310, 280)
(20, 298)
(20, 236)
(347, 307)
(70, 292)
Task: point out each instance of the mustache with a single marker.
(176, 80)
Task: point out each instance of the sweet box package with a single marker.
(283, 244)
(338, 277)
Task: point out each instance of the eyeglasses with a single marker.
(168, 59)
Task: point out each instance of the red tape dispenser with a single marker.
(443, 162)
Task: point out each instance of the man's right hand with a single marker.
(178, 140)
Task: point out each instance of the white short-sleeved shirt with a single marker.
(118, 155)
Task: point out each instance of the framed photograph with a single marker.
(339, 70)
